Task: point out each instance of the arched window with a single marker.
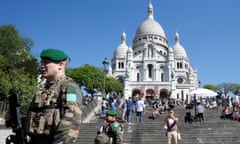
(162, 77)
(122, 65)
(150, 51)
(138, 78)
(179, 65)
(150, 70)
(119, 65)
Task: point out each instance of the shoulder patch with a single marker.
(71, 97)
(115, 126)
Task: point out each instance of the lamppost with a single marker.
(199, 84)
(105, 64)
(195, 105)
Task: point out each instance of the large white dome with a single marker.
(150, 26)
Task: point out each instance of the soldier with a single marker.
(54, 115)
(111, 129)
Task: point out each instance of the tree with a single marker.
(113, 85)
(210, 87)
(89, 77)
(224, 88)
(236, 89)
(18, 67)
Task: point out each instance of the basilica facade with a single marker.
(150, 67)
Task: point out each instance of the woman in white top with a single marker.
(171, 123)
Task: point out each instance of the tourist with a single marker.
(129, 111)
(200, 112)
(171, 125)
(140, 108)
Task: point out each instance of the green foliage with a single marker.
(210, 87)
(224, 88)
(236, 89)
(113, 85)
(18, 67)
(92, 79)
(88, 76)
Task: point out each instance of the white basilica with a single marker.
(150, 67)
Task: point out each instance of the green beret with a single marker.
(111, 113)
(53, 54)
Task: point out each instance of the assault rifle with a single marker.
(15, 121)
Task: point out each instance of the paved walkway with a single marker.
(4, 132)
(92, 115)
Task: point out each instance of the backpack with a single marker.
(123, 106)
(102, 138)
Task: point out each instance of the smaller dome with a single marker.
(130, 50)
(121, 50)
(178, 49)
(170, 50)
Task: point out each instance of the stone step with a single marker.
(150, 131)
(214, 130)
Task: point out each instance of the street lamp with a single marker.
(105, 64)
(199, 83)
(195, 105)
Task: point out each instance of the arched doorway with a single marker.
(121, 79)
(164, 95)
(136, 92)
(150, 93)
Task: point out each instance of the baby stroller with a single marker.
(188, 118)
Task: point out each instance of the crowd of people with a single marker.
(129, 106)
(112, 131)
(231, 108)
(136, 105)
(232, 114)
(110, 102)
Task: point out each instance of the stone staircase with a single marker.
(213, 131)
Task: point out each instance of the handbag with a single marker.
(179, 136)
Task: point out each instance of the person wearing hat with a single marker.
(112, 129)
(54, 115)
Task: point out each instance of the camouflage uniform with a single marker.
(111, 132)
(114, 131)
(54, 115)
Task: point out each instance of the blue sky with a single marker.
(90, 30)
